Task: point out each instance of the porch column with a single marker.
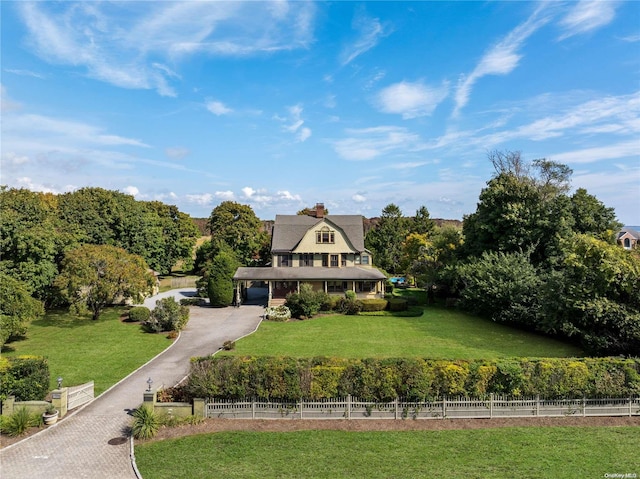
(298, 286)
(326, 290)
(270, 293)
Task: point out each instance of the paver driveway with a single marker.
(78, 446)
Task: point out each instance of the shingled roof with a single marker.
(288, 230)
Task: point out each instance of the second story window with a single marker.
(285, 260)
(306, 259)
(325, 235)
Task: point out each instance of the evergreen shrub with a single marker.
(289, 379)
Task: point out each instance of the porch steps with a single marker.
(277, 301)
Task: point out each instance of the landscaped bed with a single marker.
(407, 449)
(438, 333)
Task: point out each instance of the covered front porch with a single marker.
(364, 282)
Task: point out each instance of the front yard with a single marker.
(81, 350)
(440, 333)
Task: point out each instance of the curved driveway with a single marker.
(78, 446)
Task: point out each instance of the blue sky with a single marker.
(355, 104)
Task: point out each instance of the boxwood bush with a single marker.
(369, 305)
(25, 377)
(289, 379)
(139, 314)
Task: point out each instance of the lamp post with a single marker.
(59, 382)
(149, 382)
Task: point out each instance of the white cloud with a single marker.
(285, 195)
(248, 191)
(587, 16)
(27, 73)
(294, 123)
(225, 195)
(28, 183)
(411, 100)
(177, 152)
(369, 143)
(501, 59)
(358, 198)
(202, 200)
(407, 165)
(131, 190)
(13, 159)
(370, 32)
(218, 108)
(130, 44)
(6, 103)
(627, 149)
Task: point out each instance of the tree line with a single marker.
(84, 248)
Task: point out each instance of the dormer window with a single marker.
(325, 235)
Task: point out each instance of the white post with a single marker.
(396, 407)
(491, 406)
(444, 407)
(253, 409)
(300, 406)
(584, 406)
(348, 406)
(629, 406)
(538, 405)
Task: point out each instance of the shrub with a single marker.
(306, 303)
(21, 420)
(229, 345)
(278, 313)
(348, 306)
(168, 315)
(139, 314)
(350, 294)
(145, 423)
(191, 301)
(26, 378)
(398, 304)
(415, 379)
(369, 305)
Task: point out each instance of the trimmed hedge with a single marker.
(25, 377)
(289, 379)
(370, 305)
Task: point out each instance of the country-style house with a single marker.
(326, 251)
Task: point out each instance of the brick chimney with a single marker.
(319, 210)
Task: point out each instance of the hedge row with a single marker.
(25, 377)
(286, 378)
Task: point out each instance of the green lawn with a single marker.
(567, 452)
(81, 350)
(439, 333)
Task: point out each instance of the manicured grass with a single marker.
(80, 349)
(439, 333)
(567, 452)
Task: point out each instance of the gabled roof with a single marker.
(288, 230)
(631, 231)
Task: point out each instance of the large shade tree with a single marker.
(238, 227)
(17, 308)
(385, 240)
(95, 276)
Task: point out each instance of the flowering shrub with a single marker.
(278, 313)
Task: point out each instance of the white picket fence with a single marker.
(79, 395)
(450, 408)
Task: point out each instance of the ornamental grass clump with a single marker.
(18, 423)
(145, 423)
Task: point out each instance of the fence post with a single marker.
(584, 406)
(300, 406)
(8, 405)
(348, 406)
(396, 407)
(444, 407)
(60, 400)
(253, 408)
(629, 406)
(199, 407)
(491, 406)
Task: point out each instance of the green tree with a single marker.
(176, 236)
(17, 308)
(386, 239)
(595, 296)
(421, 223)
(95, 276)
(32, 239)
(217, 279)
(168, 315)
(238, 227)
(503, 287)
(593, 217)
